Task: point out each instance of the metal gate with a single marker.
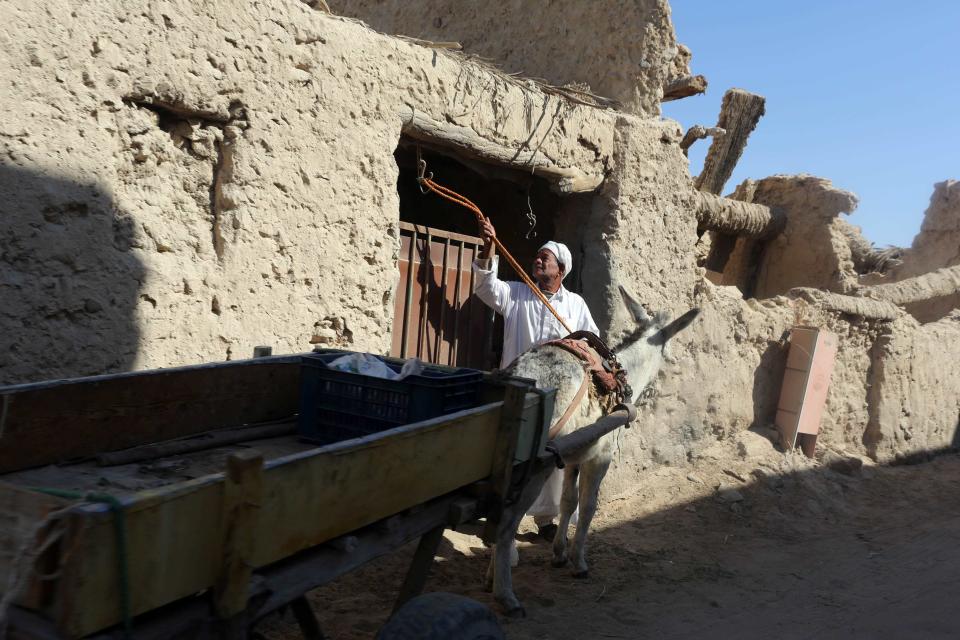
(436, 316)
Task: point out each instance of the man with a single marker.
(527, 322)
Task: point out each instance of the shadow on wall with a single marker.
(767, 380)
(69, 282)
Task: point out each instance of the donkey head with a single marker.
(643, 350)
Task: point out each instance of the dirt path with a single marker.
(806, 553)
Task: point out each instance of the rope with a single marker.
(25, 559)
(456, 198)
(120, 530)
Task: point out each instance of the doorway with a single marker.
(437, 316)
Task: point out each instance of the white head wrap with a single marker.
(563, 255)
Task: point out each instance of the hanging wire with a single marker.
(531, 216)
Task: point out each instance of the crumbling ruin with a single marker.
(181, 183)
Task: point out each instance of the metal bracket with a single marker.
(557, 459)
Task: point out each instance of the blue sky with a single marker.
(865, 93)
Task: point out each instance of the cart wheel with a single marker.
(442, 616)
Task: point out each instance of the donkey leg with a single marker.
(591, 475)
(568, 503)
(499, 569)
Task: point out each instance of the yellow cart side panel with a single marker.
(175, 533)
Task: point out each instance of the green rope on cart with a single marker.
(120, 530)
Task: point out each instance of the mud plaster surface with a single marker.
(624, 50)
(937, 245)
(181, 183)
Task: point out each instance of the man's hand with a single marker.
(488, 233)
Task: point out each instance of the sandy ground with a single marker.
(790, 549)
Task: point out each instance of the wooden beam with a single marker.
(420, 126)
(306, 619)
(416, 577)
(928, 286)
(242, 498)
(739, 114)
(684, 88)
(208, 440)
(699, 132)
(851, 305)
(734, 217)
(505, 452)
(50, 422)
(880, 302)
(286, 580)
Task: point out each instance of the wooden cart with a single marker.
(207, 542)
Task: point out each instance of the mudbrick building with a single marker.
(181, 181)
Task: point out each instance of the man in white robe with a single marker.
(526, 323)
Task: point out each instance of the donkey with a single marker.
(641, 353)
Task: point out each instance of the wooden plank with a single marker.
(174, 534)
(401, 311)
(50, 422)
(280, 584)
(206, 440)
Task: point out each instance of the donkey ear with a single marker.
(664, 335)
(638, 313)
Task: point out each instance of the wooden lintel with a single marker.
(420, 126)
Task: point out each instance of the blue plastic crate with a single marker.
(339, 405)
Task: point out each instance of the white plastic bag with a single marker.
(370, 365)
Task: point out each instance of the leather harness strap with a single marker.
(604, 376)
(594, 341)
(599, 364)
(573, 406)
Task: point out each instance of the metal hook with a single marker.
(421, 172)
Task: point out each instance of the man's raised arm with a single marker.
(494, 292)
